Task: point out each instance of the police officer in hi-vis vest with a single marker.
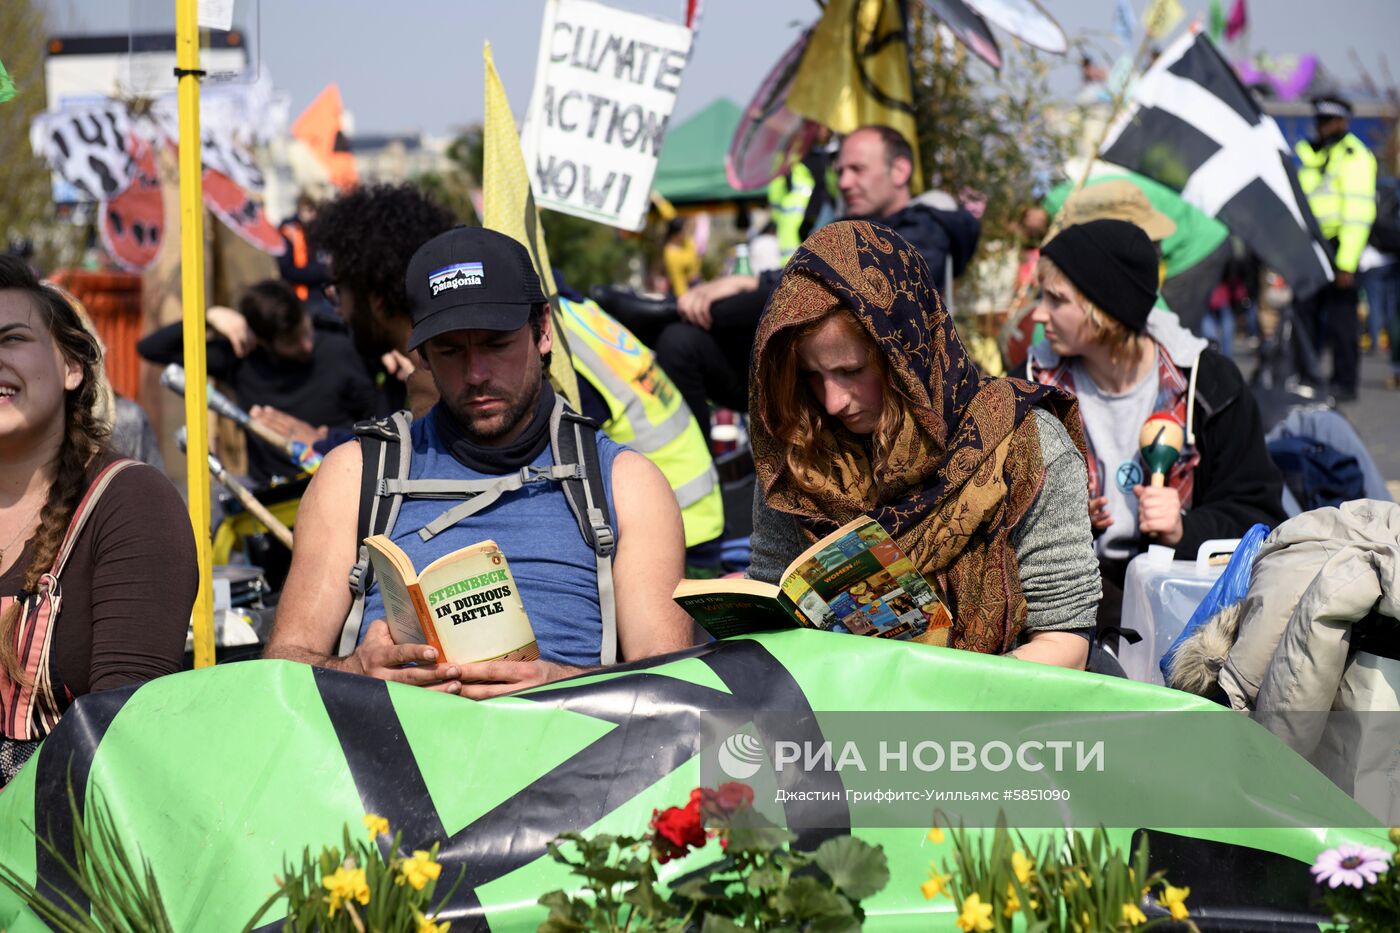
(1338, 175)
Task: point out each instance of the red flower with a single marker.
(721, 802)
(678, 829)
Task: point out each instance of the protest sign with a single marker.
(604, 89)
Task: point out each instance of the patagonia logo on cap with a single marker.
(457, 275)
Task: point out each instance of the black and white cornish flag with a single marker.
(1193, 126)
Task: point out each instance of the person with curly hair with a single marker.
(112, 532)
(865, 402)
(368, 235)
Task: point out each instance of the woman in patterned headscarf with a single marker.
(864, 401)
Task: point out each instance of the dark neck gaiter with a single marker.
(494, 459)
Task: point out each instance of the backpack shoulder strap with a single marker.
(574, 440)
(85, 508)
(385, 451)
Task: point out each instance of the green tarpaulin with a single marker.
(217, 775)
(691, 165)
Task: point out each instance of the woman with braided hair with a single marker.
(108, 535)
(864, 402)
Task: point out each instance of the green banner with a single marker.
(216, 775)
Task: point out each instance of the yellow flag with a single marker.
(1162, 17)
(509, 208)
(843, 88)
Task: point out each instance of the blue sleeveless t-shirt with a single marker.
(536, 530)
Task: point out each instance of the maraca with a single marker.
(1161, 440)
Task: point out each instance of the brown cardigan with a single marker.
(128, 587)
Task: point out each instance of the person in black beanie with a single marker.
(1127, 363)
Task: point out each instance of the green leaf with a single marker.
(807, 898)
(699, 889)
(751, 831)
(609, 875)
(764, 879)
(857, 868)
(717, 924)
(835, 925)
(652, 905)
(566, 915)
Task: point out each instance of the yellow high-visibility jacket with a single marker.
(1340, 182)
(788, 200)
(647, 413)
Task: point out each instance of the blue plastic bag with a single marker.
(1229, 589)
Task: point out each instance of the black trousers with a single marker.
(1331, 319)
(713, 365)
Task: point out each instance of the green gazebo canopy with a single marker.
(691, 165)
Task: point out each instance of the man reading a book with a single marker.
(482, 328)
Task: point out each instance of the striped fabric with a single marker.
(1193, 126)
(30, 711)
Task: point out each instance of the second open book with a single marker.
(854, 580)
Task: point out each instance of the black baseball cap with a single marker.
(470, 278)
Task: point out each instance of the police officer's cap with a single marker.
(1331, 106)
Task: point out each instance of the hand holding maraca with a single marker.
(1161, 440)
(1159, 505)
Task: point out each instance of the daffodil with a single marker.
(1013, 903)
(376, 825)
(420, 869)
(935, 885)
(935, 836)
(346, 884)
(1084, 877)
(976, 917)
(1023, 865)
(1174, 899)
(425, 925)
(1133, 916)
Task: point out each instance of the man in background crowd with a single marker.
(300, 265)
(368, 235)
(707, 352)
(301, 380)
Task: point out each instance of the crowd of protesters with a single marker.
(1023, 497)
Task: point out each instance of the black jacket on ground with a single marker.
(1236, 482)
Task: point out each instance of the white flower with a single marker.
(1354, 865)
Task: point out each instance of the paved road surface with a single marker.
(1375, 414)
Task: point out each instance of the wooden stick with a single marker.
(250, 502)
(280, 441)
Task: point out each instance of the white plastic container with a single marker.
(1159, 597)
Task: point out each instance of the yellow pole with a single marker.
(192, 301)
